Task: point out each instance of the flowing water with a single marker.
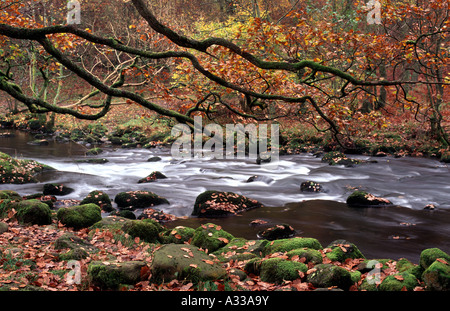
(398, 231)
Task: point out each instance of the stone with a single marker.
(110, 275)
(365, 199)
(286, 245)
(399, 282)
(56, 189)
(154, 176)
(3, 227)
(219, 204)
(327, 275)
(281, 231)
(138, 199)
(184, 262)
(99, 198)
(177, 235)
(211, 237)
(342, 249)
(437, 276)
(80, 216)
(143, 229)
(311, 186)
(310, 255)
(278, 270)
(429, 255)
(33, 212)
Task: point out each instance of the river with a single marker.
(402, 230)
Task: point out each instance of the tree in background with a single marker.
(317, 62)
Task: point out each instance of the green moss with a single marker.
(286, 245)
(81, 216)
(398, 282)
(210, 236)
(341, 250)
(33, 212)
(138, 199)
(144, 230)
(429, 255)
(310, 255)
(327, 275)
(99, 198)
(213, 203)
(437, 276)
(277, 270)
(16, 171)
(177, 235)
(94, 151)
(241, 249)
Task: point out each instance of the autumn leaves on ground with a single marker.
(116, 253)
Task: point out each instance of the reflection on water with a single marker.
(408, 182)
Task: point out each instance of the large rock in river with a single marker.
(18, 171)
(138, 199)
(365, 199)
(213, 203)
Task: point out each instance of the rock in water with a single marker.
(365, 199)
(218, 204)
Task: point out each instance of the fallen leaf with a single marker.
(193, 265)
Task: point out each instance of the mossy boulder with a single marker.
(10, 195)
(71, 241)
(278, 270)
(138, 199)
(327, 275)
(429, 255)
(281, 231)
(399, 282)
(94, 151)
(365, 199)
(286, 245)
(177, 235)
(3, 227)
(33, 212)
(437, 275)
(56, 189)
(154, 176)
(80, 216)
(211, 237)
(342, 249)
(338, 158)
(213, 203)
(99, 198)
(123, 213)
(19, 171)
(110, 275)
(143, 229)
(241, 249)
(310, 255)
(184, 262)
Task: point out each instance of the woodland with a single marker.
(346, 76)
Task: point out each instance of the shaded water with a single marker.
(391, 232)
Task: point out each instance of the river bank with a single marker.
(391, 232)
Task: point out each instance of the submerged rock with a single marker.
(365, 199)
(264, 179)
(216, 204)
